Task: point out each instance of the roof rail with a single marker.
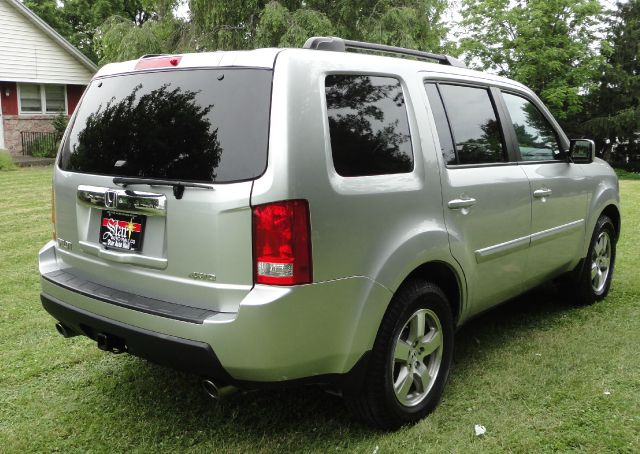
(334, 44)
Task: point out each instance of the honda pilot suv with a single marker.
(321, 215)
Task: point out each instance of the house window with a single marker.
(42, 99)
(54, 98)
(30, 98)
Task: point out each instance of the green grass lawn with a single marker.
(538, 373)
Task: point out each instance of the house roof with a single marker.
(48, 30)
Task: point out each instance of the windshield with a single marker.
(207, 125)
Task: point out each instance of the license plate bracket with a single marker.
(122, 231)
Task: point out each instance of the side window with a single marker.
(442, 125)
(475, 126)
(368, 125)
(537, 139)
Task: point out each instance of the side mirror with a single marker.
(582, 151)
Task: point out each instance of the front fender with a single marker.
(605, 191)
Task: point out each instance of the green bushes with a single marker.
(6, 163)
(59, 124)
(42, 147)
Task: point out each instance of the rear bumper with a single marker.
(182, 354)
(279, 334)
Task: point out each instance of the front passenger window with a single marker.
(537, 139)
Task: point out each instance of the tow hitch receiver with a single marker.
(110, 343)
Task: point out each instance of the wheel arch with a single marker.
(613, 213)
(447, 278)
(605, 199)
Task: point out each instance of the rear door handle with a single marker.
(457, 204)
(544, 192)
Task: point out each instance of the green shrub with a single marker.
(6, 163)
(42, 148)
(627, 175)
(633, 166)
(59, 123)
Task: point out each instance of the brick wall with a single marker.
(13, 124)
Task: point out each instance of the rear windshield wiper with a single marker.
(178, 186)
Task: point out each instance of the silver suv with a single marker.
(315, 215)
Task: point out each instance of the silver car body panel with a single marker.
(187, 236)
(368, 233)
(277, 333)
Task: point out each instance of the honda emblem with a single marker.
(111, 199)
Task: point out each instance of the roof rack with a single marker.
(334, 44)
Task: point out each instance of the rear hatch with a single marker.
(153, 186)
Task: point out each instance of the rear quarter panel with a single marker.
(379, 227)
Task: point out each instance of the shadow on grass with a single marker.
(167, 403)
(540, 308)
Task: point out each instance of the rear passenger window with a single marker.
(475, 127)
(442, 126)
(368, 125)
(537, 139)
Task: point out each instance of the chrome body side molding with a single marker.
(545, 235)
(499, 250)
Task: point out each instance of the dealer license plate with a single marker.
(122, 230)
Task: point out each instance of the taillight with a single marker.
(282, 243)
(53, 213)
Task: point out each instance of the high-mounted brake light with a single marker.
(282, 243)
(158, 62)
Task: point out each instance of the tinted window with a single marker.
(198, 125)
(536, 138)
(475, 127)
(368, 125)
(442, 125)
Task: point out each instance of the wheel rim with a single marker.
(601, 262)
(417, 357)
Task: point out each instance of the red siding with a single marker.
(9, 103)
(74, 92)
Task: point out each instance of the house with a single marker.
(41, 74)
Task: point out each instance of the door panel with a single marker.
(559, 205)
(489, 239)
(487, 202)
(558, 190)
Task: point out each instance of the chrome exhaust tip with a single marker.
(65, 331)
(217, 391)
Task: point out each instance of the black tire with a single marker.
(376, 402)
(587, 293)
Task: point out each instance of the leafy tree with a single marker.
(236, 24)
(547, 45)
(121, 39)
(279, 26)
(617, 100)
(408, 23)
(77, 20)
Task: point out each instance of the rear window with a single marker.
(209, 125)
